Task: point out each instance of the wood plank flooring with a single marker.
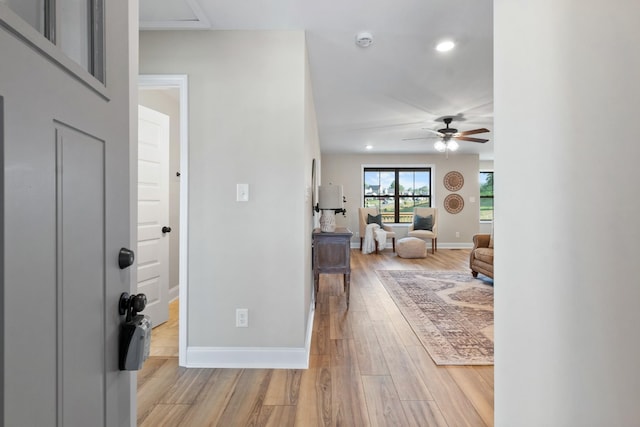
(367, 368)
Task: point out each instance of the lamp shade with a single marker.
(330, 197)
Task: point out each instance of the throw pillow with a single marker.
(377, 219)
(423, 222)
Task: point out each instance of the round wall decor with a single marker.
(453, 203)
(453, 181)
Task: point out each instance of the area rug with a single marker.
(451, 312)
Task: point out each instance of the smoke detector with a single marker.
(364, 39)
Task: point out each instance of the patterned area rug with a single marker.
(450, 311)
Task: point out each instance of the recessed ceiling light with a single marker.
(445, 46)
(369, 147)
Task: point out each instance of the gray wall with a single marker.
(346, 169)
(166, 101)
(567, 98)
(249, 123)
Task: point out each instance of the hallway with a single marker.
(367, 368)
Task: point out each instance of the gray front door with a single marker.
(64, 135)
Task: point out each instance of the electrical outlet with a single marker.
(242, 317)
(457, 234)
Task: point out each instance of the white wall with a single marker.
(567, 99)
(166, 101)
(249, 123)
(312, 152)
(346, 169)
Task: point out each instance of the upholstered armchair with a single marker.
(363, 216)
(424, 229)
(481, 258)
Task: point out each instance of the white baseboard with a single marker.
(455, 245)
(173, 293)
(253, 357)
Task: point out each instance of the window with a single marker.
(80, 33)
(396, 191)
(486, 196)
(32, 11)
(75, 26)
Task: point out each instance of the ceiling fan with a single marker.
(449, 135)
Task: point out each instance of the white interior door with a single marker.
(153, 212)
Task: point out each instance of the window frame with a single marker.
(397, 197)
(491, 197)
(43, 40)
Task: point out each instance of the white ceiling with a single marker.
(380, 94)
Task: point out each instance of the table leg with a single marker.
(347, 286)
(316, 286)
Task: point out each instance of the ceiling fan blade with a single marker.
(473, 131)
(466, 138)
(434, 131)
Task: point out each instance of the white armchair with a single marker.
(426, 234)
(363, 212)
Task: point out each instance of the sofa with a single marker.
(481, 258)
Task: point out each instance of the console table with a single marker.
(331, 255)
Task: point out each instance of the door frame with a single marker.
(180, 82)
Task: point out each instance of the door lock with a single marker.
(125, 258)
(135, 332)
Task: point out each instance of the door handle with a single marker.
(166, 229)
(125, 258)
(130, 305)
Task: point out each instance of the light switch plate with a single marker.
(242, 192)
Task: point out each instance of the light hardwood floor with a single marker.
(367, 368)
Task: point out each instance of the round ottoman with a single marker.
(411, 247)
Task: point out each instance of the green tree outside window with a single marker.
(486, 196)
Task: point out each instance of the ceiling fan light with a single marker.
(452, 145)
(440, 146)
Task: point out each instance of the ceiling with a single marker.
(386, 92)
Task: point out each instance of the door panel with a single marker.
(81, 281)
(153, 212)
(2, 257)
(66, 214)
(147, 273)
(148, 254)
